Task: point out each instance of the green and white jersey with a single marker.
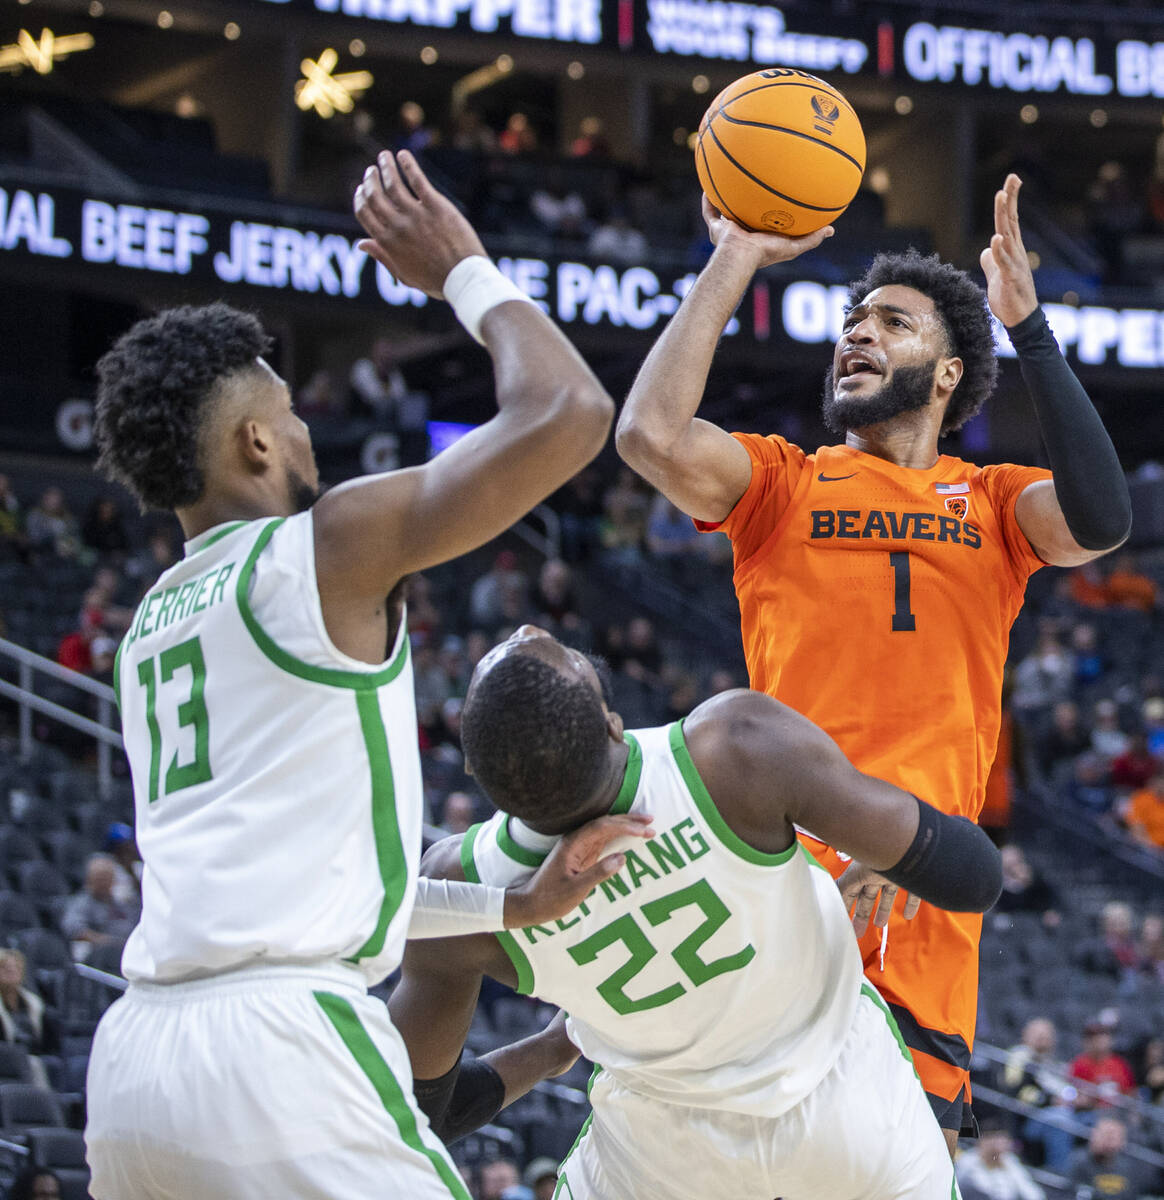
(276, 780)
(705, 973)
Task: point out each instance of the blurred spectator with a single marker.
(1033, 1075)
(412, 134)
(541, 1177)
(1144, 814)
(1115, 211)
(1108, 740)
(1114, 952)
(104, 528)
(639, 656)
(1151, 946)
(555, 603)
(459, 813)
(990, 1170)
(497, 1176)
(1024, 889)
(1136, 765)
(558, 209)
(1128, 587)
(591, 141)
(518, 136)
(378, 386)
(146, 565)
(624, 519)
(423, 614)
(431, 685)
(99, 608)
(1065, 738)
(121, 847)
(102, 657)
(1108, 1074)
(1104, 1167)
(616, 241)
(1087, 788)
(51, 527)
(471, 134)
(92, 915)
(1089, 662)
(75, 650)
(670, 532)
(500, 594)
(1151, 1073)
(1043, 677)
(24, 1019)
(321, 398)
(35, 1183)
(1153, 713)
(682, 697)
(579, 505)
(12, 540)
(1088, 588)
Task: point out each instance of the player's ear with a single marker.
(254, 442)
(613, 726)
(949, 373)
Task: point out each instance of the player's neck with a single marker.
(901, 441)
(220, 507)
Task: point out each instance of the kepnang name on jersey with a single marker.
(886, 525)
(166, 606)
(664, 854)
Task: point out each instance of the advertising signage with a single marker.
(222, 251)
(1031, 60)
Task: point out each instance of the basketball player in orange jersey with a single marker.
(878, 579)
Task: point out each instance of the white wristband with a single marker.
(473, 287)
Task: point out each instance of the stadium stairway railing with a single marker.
(103, 730)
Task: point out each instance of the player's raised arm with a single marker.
(553, 414)
(697, 466)
(1086, 510)
(769, 769)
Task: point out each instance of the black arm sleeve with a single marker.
(1089, 482)
(462, 1100)
(951, 863)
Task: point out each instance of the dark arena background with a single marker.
(156, 152)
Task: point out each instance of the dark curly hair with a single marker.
(152, 397)
(534, 739)
(961, 304)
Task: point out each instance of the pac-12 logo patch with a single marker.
(957, 506)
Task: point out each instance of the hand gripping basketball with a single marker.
(764, 248)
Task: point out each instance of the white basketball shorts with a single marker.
(261, 1084)
(866, 1132)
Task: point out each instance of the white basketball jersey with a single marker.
(705, 972)
(276, 780)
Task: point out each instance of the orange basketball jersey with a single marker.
(878, 600)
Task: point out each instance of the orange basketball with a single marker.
(780, 150)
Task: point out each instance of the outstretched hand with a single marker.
(574, 868)
(765, 248)
(864, 890)
(415, 232)
(1010, 283)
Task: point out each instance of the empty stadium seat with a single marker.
(14, 1064)
(17, 913)
(23, 1106)
(62, 1151)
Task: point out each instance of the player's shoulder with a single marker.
(442, 860)
(770, 448)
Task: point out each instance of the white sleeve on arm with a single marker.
(449, 908)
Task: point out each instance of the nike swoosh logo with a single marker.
(834, 478)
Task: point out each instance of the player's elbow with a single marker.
(589, 411)
(642, 447)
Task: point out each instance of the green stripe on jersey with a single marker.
(516, 955)
(196, 544)
(385, 827)
(630, 779)
(353, 1035)
(519, 854)
(333, 676)
(707, 809)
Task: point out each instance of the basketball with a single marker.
(781, 151)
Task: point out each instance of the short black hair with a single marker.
(534, 739)
(961, 304)
(152, 397)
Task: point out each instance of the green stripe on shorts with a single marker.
(353, 1035)
(869, 990)
(569, 1194)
